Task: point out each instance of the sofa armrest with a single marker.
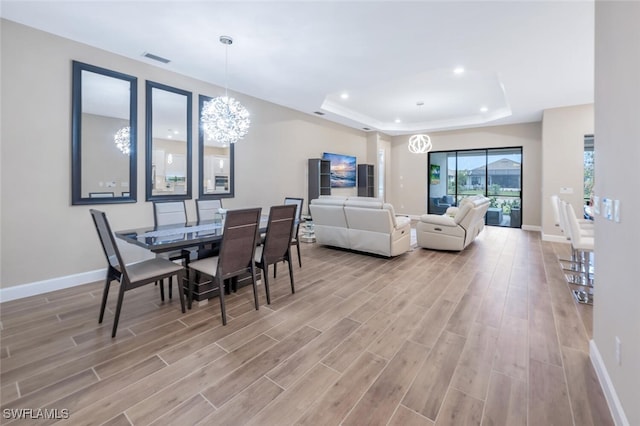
(402, 221)
(438, 220)
(452, 211)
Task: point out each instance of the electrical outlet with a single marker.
(618, 351)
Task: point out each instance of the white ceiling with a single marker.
(520, 57)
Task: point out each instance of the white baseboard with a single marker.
(45, 286)
(531, 228)
(554, 238)
(617, 412)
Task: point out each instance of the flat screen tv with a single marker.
(343, 170)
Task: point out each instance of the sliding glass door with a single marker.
(495, 173)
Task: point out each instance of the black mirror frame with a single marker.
(150, 85)
(76, 135)
(231, 194)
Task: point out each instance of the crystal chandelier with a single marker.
(122, 139)
(224, 119)
(420, 144)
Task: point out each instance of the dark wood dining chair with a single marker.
(277, 243)
(132, 276)
(295, 240)
(167, 213)
(237, 250)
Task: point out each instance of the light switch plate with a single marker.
(616, 210)
(596, 204)
(608, 208)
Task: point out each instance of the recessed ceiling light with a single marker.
(458, 70)
(175, 132)
(344, 96)
(484, 109)
(398, 120)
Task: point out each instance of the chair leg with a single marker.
(293, 289)
(170, 287)
(223, 311)
(275, 269)
(105, 295)
(190, 288)
(180, 292)
(162, 290)
(255, 285)
(118, 309)
(265, 276)
(299, 257)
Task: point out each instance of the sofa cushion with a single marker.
(361, 202)
(329, 200)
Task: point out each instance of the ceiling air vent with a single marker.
(318, 112)
(156, 57)
(366, 128)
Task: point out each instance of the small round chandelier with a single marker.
(122, 139)
(420, 144)
(224, 119)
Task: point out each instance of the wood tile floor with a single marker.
(488, 336)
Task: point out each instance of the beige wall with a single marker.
(617, 157)
(409, 186)
(563, 131)
(43, 236)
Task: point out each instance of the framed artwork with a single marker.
(343, 170)
(434, 174)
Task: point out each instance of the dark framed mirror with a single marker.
(168, 134)
(103, 141)
(216, 163)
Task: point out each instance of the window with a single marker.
(495, 173)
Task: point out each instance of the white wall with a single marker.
(43, 236)
(563, 131)
(409, 186)
(617, 158)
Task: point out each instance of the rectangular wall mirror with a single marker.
(104, 128)
(168, 159)
(216, 165)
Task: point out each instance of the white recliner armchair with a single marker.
(455, 229)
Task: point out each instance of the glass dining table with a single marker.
(179, 236)
(184, 236)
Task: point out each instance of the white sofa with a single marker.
(455, 229)
(360, 223)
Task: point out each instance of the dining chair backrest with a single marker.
(169, 213)
(279, 233)
(207, 209)
(109, 245)
(571, 221)
(238, 244)
(298, 202)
